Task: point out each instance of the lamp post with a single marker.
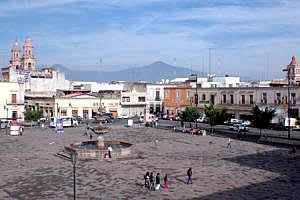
(74, 160)
(196, 95)
(289, 101)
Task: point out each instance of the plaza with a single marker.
(29, 168)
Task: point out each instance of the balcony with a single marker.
(15, 103)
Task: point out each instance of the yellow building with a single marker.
(11, 101)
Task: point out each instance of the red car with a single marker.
(172, 117)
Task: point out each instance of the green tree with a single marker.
(214, 115)
(190, 114)
(262, 117)
(33, 115)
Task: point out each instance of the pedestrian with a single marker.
(151, 181)
(189, 174)
(166, 181)
(109, 151)
(157, 181)
(91, 136)
(229, 143)
(86, 131)
(146, 177)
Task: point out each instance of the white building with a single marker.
(96, 87)
(12, 101)
(133, 99)
(155, 97)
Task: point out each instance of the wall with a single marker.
(6, 105)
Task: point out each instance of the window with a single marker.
(142, 99)
(212, 99)
(85, 114)
(177, 93)
(125, 99)
(157, 94)
(187, 94)
(166, 94)
(231, 99)
(13, 98)
(264, 98)
(251, 98)
(243, 99)
(74, 113)
(14, 115)
(293, 98)
(277, 99)
(203, 97)
(224, 98)
(63, 112)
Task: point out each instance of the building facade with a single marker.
(133, 99)
(176, 99)
(11, 101)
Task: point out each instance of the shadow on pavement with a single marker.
(286, 186)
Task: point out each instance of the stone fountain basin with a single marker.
(89, 150)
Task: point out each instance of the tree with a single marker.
(262, 117)
(214, 115)
(33, 115)
(190, 114)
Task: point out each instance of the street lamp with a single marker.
(196, 95)
(74, 160)
(289, 101)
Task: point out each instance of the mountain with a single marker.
(153, 72)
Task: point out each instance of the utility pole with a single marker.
(289, 101)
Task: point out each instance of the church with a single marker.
(27, 61)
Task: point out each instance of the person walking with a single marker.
(151, 181)
(166, 182)
(109, 152)
(86, 130)
(189, 174)
(157, 181)
(229, 143)
(146, 177)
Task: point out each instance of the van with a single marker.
(67, 121)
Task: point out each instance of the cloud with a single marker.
(142, 31)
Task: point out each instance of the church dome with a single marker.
(16, 45)
(28, 40)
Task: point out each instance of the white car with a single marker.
(123, 116)
(247, 123)
(201, 119)
(239, 127)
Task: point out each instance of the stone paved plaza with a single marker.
(29, 169)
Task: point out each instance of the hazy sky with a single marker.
(253, 38)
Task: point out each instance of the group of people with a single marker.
(151, 185)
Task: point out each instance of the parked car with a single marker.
(123, 116)
(239, 127)
(172, 117)
(201, 119)
(79, 119)
(246, 122)
(107, 119)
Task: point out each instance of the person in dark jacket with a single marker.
(189, 174)
(151, 187)
(157, 181)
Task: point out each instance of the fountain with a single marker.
(98, 149)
